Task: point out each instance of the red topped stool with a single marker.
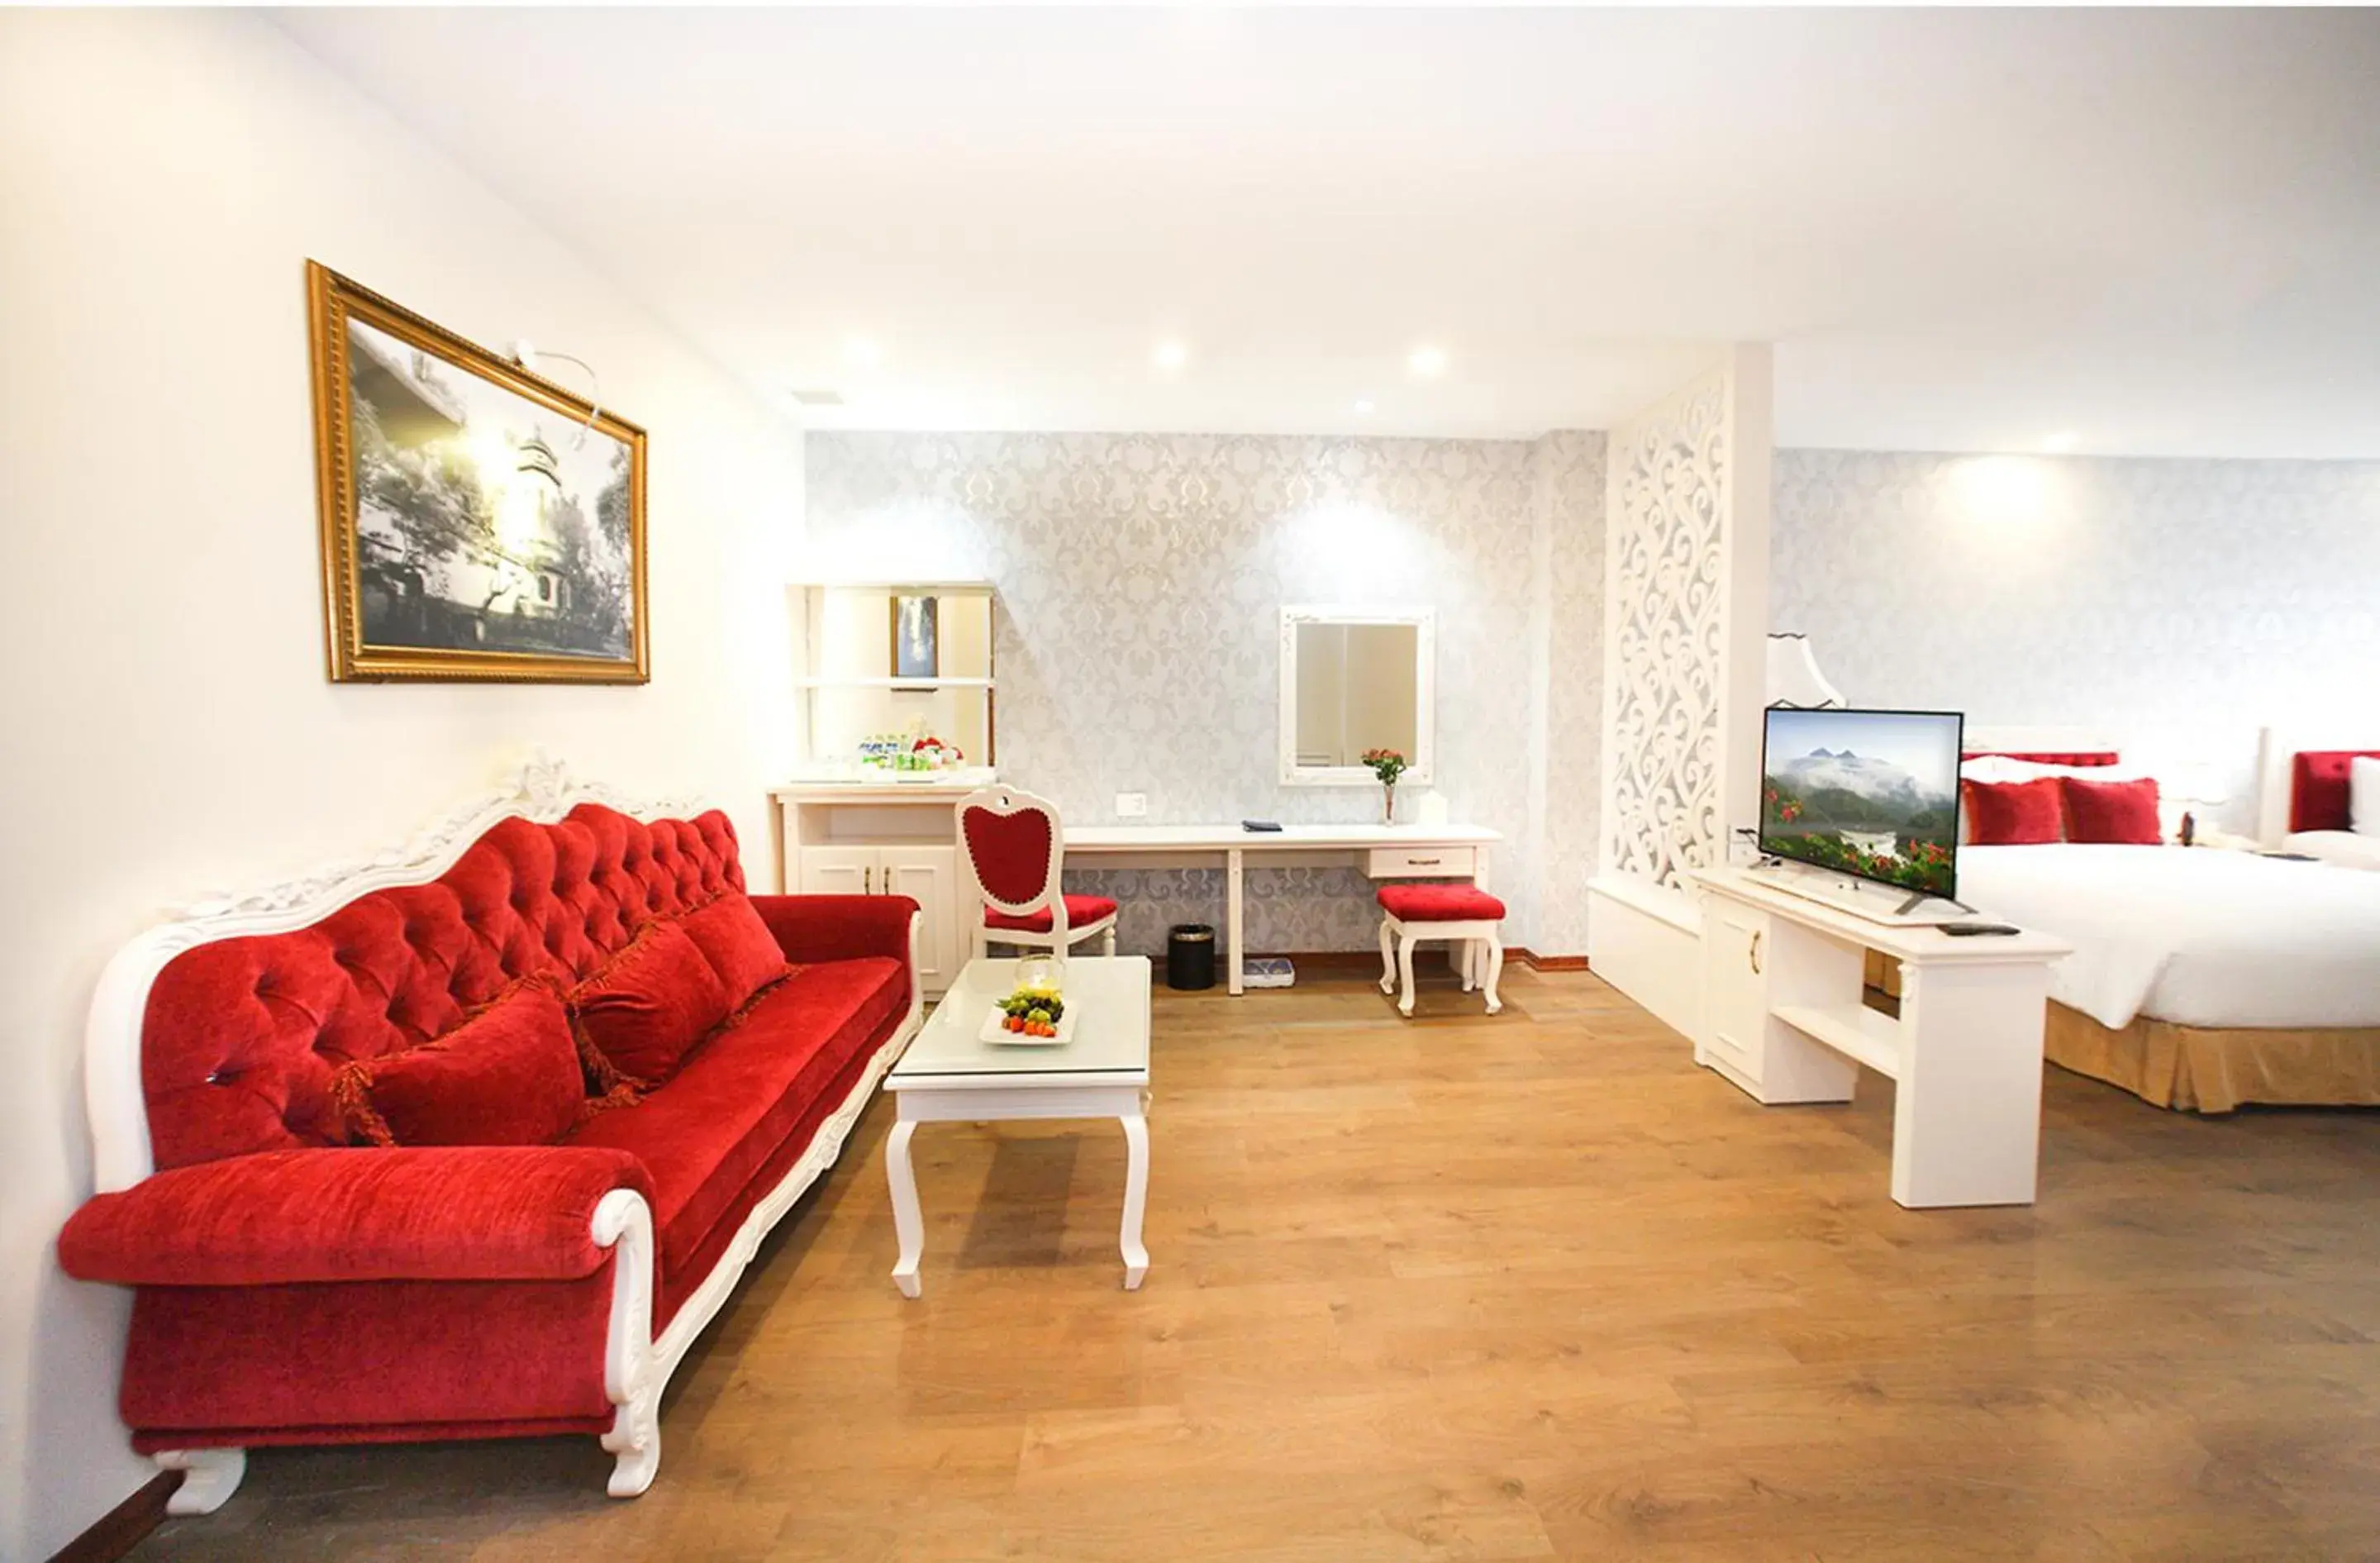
(1461, 912)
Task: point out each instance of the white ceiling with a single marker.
(2153, 232)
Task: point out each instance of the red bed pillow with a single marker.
(507, 1076)
(2123, 813)
(732, 936)
(2026, 813)
(649, 1008)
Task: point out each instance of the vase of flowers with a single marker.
(1387, 764)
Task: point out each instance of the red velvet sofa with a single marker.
(296, 1283)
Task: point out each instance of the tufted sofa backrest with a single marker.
(241, 1036)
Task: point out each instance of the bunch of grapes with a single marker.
(1033, 1011)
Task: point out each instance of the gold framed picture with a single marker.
(478, 522)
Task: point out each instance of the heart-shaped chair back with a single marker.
(1012, 848)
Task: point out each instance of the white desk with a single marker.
(1402, 851)
(850, 838)
(1782, 1020)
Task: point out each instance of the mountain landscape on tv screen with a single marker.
(1838, 808)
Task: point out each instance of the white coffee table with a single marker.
(950, 1073)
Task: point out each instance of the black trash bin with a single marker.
(1190, 957)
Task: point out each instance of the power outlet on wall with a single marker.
(1131, 805)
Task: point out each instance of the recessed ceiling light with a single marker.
(861, 352)
(2059, 442)
(816, 398)
(1170, 356)
(1428, 362)
(1363, 408)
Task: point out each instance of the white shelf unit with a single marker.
(844, 633)
(810, 683)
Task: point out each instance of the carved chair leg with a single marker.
(1388, 958)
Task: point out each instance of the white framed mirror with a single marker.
(1353, 680)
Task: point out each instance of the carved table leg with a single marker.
(1135, 1197)
(908, 1220)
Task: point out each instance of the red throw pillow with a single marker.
(650, 1006)
(2026, 813)
(2123, 813)
(739, 945)
(507, 1076)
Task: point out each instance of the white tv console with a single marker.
(1783, 1020)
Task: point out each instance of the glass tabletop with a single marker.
(1107, 997)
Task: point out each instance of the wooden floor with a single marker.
(1466, 1287)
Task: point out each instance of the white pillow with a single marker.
(2363, 795)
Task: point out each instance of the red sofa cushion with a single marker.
(2123, 813)
(647, 1009)
(1080, 910)
(1439, 903)
(449, 1213)
(241, 1036)
(507, 1076)
(705, 1135)
(2026, 813)
(739, 947)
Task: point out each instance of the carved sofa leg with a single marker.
(636, 1439)
(623, 1224)
(209, 1477)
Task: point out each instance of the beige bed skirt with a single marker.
(2213, 1071)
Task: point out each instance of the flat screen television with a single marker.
(1872, 794)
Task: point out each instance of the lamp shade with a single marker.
(1794, 678)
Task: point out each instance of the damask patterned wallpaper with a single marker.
(1139, 581)
(2179, 605)
(1571, 494)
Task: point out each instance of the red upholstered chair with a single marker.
(1411, 914)
(1013, 850)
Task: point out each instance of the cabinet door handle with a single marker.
(867, 880)
(1755, 952)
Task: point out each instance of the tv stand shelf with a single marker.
(1782, 1020)
(1864, 1035)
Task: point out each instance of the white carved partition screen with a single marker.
(1686, 624)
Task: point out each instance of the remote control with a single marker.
(1968, 930)
(1260, 825)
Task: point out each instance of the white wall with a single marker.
(2176, 605)
(163, 178)
(1140, 579)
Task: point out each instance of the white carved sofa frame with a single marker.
(636, 1366)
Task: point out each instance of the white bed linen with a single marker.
(2347, 848)
(2196, 936)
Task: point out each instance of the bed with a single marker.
(2303, 803)
(2203, 978)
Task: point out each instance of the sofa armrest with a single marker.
(462, 1213)
(818, 928)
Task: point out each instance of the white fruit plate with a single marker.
(994, 1030)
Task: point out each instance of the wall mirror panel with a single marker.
(1354, 679)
